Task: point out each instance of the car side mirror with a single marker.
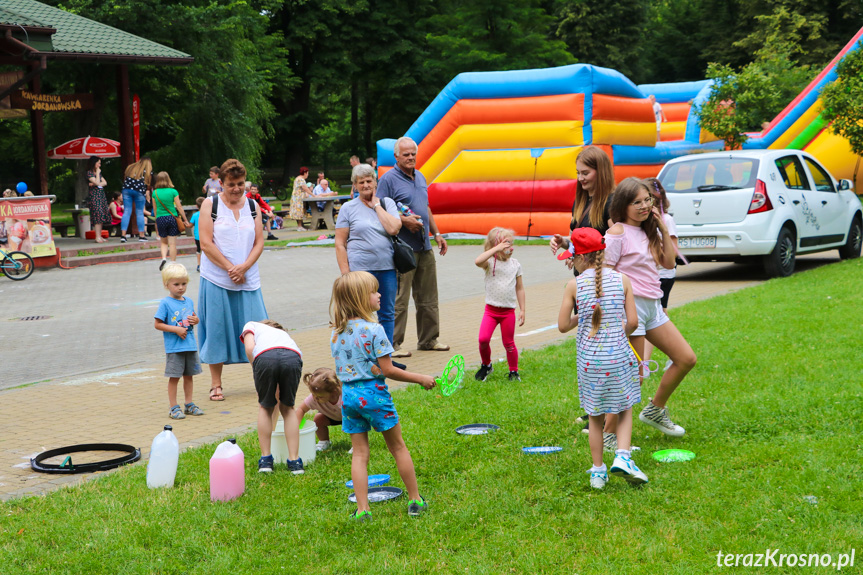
(845, 185)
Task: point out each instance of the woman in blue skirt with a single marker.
(232, 240)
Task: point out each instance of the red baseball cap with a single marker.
(585, 241)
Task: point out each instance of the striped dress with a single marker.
(607, 367)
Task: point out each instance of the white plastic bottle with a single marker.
(227, 472)
(164, 454)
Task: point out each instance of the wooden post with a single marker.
(124, 116)
(37, 129)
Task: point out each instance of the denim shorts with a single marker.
(167, 226)
(367, 405)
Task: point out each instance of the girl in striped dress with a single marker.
(607, 367)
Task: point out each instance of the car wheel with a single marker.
(851, 249)
(780, 262)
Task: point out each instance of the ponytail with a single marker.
(599, 258)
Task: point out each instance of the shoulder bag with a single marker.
(181, 225)
(403, 254)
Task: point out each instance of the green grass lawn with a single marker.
(772, 411)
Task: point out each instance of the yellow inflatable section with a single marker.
(797, 127)
(504, 165)
(834, 153)
(502, 136)
(624, 133)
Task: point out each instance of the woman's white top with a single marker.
(235, 239)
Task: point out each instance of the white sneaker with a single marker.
(609, 443)
(624, 467)
(323, 445)
(598, 479)
(658, 419)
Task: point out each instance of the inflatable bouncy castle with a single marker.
(499, 148)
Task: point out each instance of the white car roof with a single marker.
(754, 154)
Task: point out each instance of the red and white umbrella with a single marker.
(83, 148)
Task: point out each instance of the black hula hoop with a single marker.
(68, 468)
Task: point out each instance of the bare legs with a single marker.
(404, 463)
(216, 380)
(172, 389)
(666, 338)
(265, 429)
(169, 246)
(98, 229)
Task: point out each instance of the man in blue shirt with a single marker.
(405, 184)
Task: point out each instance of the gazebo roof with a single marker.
(58, 34)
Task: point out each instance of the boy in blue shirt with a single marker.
(176, 318)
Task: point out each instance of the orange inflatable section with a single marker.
(501, 111)
(622, 109)
(541, 223)
(676, 112)
(643, 171)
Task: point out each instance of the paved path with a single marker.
(92, 372)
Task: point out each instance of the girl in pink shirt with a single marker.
(635, 245)
(326, 398)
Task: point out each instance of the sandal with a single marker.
(176, 413)
(192, 409)
(216, 395)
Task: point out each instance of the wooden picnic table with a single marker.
(324, 214)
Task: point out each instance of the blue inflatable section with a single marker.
(673, 92)
(642, 155)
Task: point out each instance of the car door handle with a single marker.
(795, 202)
(823, 202)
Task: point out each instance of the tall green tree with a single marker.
(602, 33)
(843, 102)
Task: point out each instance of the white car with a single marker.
(760, 204)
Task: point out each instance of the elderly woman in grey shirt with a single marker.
(363, 241)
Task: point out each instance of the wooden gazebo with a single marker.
(34, 35)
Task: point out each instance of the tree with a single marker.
(604, 33)
(842, 102)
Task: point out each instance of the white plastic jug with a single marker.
(164, 454)
(227, 472)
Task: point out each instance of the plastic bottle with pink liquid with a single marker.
(227, 472)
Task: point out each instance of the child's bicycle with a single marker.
(16, 265)
(272, 189)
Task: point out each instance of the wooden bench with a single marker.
(63, 229)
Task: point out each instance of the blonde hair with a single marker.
(163, 180)
(143, 168)
(322, 380)
(174, 271)
(29, 194)
(494, 237)
(350, 300)
(273, 323)
(596, 159)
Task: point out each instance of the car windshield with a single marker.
(709, 175)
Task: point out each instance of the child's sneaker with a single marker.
(609, 442)
(323, 445)
(192, 409)
(361, 516)
(658, 418)
(598, 479)
(417, 507)
(177, 413)
(483, 372)
(624, 467)
(513, 376)
(265, 464)
(296, 466)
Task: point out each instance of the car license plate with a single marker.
(697, 242)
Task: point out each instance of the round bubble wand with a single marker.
(453, 375)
